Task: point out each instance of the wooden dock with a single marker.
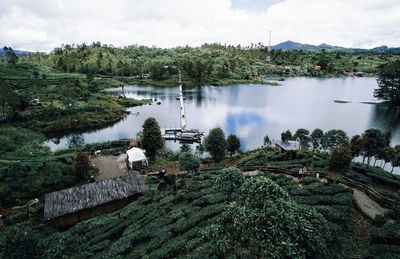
(186, 135)
(182, 134)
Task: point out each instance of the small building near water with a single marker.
(359, 73)
(69, 206)
(136, 158)
(286, 146)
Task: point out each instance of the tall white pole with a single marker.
(183, 116)
(269, 48)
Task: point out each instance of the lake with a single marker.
(253, 111)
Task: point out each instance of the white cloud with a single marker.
(45, 24)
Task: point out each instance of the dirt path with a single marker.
(368, 206)
(109, 166)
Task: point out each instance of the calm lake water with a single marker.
(252, 111)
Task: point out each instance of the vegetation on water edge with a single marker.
(208, 64)
(200, 213)
(389, 82)
(182, 215)
(57, 104)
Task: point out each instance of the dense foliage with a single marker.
(210, 63)
(28, 169)
(189, 162)
(151, 141)
(216, 144)
(61, 102)
(18, 242)
(178, 223)
(389, 82)
(233, 144)
(265, 223)
(340, 158)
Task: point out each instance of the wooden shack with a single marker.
(69, 206)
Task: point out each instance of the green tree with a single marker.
(286, 136)
(189, 162)
(356, 143)
(340, 158)
(200, 149)
(324, 61)
(373, 141)
(9, 55)
(302, 135)
(389, 155)
(185, 148)
(152, 140)
(316, 138)
(334, 138)
(265, 223)
(389, 82)
(396, 157)
(267, 141)
(216, 144)
(82, 165)
(229, 181)
(233, 144)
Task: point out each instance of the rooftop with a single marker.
(92, 194)
(288, 145)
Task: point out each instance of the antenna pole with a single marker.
(269, 42)
(269, 48)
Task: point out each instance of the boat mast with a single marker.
(268, 59)
(183, 116)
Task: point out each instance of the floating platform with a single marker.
(182, 134)
(186, 135)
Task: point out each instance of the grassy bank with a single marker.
(59, 102)
(173, 218)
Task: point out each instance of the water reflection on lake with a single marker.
(252, 111)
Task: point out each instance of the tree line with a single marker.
(201, 64)
(372, 145)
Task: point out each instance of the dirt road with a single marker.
(109, 166)
(367, 205)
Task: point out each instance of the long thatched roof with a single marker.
(92, 194)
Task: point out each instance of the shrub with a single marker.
(189, 162)
(19, 242)
(233, 144)
(216, 144)
(229, 181)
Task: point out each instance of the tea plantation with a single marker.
(175, 222)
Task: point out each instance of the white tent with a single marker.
(136, 155)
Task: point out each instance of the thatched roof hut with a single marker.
(69, 206)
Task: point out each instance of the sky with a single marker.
(42, 25)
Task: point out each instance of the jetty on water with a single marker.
(183, 133)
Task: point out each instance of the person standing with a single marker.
(304, 172)
(300, 174)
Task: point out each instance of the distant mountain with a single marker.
(291, 45)
(386, 49)
(18, 52)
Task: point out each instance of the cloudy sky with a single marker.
(44, 24)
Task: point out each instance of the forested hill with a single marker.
(17, 52)
(291, 45)
(206, 64)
